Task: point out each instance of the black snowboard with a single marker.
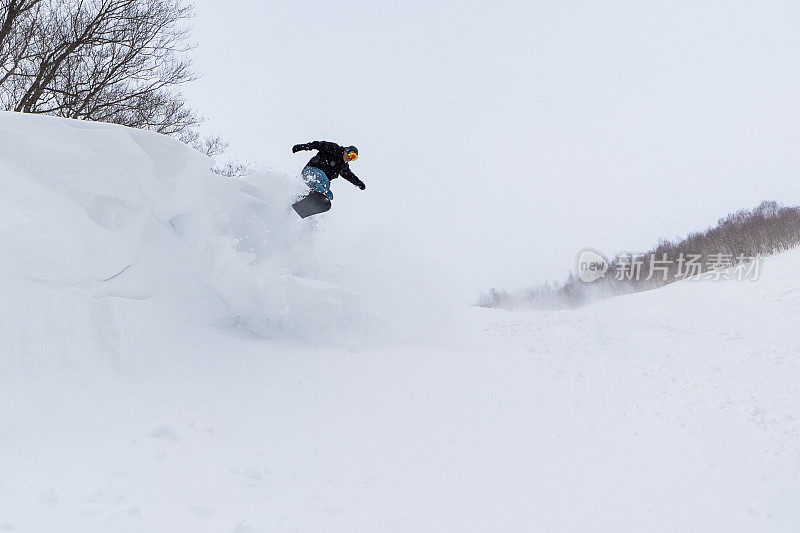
(312, 204)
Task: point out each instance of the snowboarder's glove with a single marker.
(362, 185)
(305, 146)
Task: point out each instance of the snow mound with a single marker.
(96, 218)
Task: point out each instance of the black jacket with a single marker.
(330, 160)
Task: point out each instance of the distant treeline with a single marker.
(738, 239)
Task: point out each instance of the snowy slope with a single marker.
(91, 214)
(154, 374)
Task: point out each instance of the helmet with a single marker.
(352, 153)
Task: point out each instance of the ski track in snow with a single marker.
(141, 403)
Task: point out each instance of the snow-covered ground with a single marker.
(179, 353)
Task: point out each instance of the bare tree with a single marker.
(210, 146)
(114, 61)
(234, 169)
(16, 33)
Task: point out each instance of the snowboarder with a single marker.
(330, 162)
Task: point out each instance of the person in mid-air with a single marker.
(330, 162)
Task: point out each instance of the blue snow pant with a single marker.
(317, 181)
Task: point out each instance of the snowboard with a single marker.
(313, 203)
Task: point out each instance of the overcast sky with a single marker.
(500, 138)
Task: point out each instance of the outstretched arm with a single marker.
(313, 145)
(352, 178)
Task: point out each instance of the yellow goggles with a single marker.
(352, 156)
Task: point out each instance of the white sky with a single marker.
(500, 138)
